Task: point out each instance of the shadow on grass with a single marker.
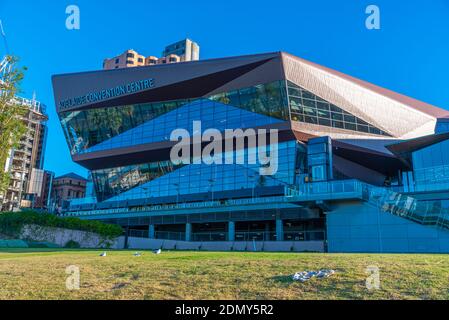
(42, 250)
(283, 279)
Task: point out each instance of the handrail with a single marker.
(427, 213)
(239, 235)
(424, 212)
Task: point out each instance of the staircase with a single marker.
(429, 213)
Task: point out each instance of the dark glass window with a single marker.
(338, 124)
(324, 122)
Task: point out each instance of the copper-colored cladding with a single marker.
(303, 137)
(411, 102)
(395, 114)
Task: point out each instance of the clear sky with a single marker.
(409, 54)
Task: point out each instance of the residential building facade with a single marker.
(186, 50)
(181, 51)
(29, 155)
(67, 187)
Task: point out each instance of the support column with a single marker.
(279, 230)
(151, 231)
(231, 231)
(188, 232)
(267, 236)
(125, 246)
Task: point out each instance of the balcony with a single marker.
(326, 191)
(240, 236)
(312, 192)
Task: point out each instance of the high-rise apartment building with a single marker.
(186, 49)
(129, 58)
(27, 156)
(181, 51)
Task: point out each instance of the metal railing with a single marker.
(431, 213)
(399, 204)
(209, 236)
(138, 233)
(178, 206)
(240, 236)
(168, 235)
(325, 189)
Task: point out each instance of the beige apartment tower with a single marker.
(181, 51)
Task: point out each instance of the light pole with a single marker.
(251, 177)
(177, 192)
(211, 185)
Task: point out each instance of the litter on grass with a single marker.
(307, 275)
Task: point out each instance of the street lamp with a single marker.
(177, 195)
(251, 177)
(211, 185)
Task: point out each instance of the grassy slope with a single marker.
(37, 274)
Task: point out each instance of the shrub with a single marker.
(71, 244)
(11, 224)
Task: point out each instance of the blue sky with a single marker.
(410, 54)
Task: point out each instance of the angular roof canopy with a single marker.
(399, 116)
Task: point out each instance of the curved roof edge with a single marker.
(418, 105)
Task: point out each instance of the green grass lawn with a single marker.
(40, 274)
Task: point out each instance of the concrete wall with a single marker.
(62, 236)
(287, 246)
(360, 227)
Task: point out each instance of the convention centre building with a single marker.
(358, 168)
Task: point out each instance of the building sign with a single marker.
(106, 94)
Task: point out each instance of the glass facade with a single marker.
(158, 179)
(88, 128)
(309, 108)
(431, 165)
(212, 114)
(117, 127)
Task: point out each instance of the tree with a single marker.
(12, 128)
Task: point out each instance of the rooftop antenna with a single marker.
(5, 66)
(2, 32)
(33, 100)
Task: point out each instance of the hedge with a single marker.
(11, 224)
